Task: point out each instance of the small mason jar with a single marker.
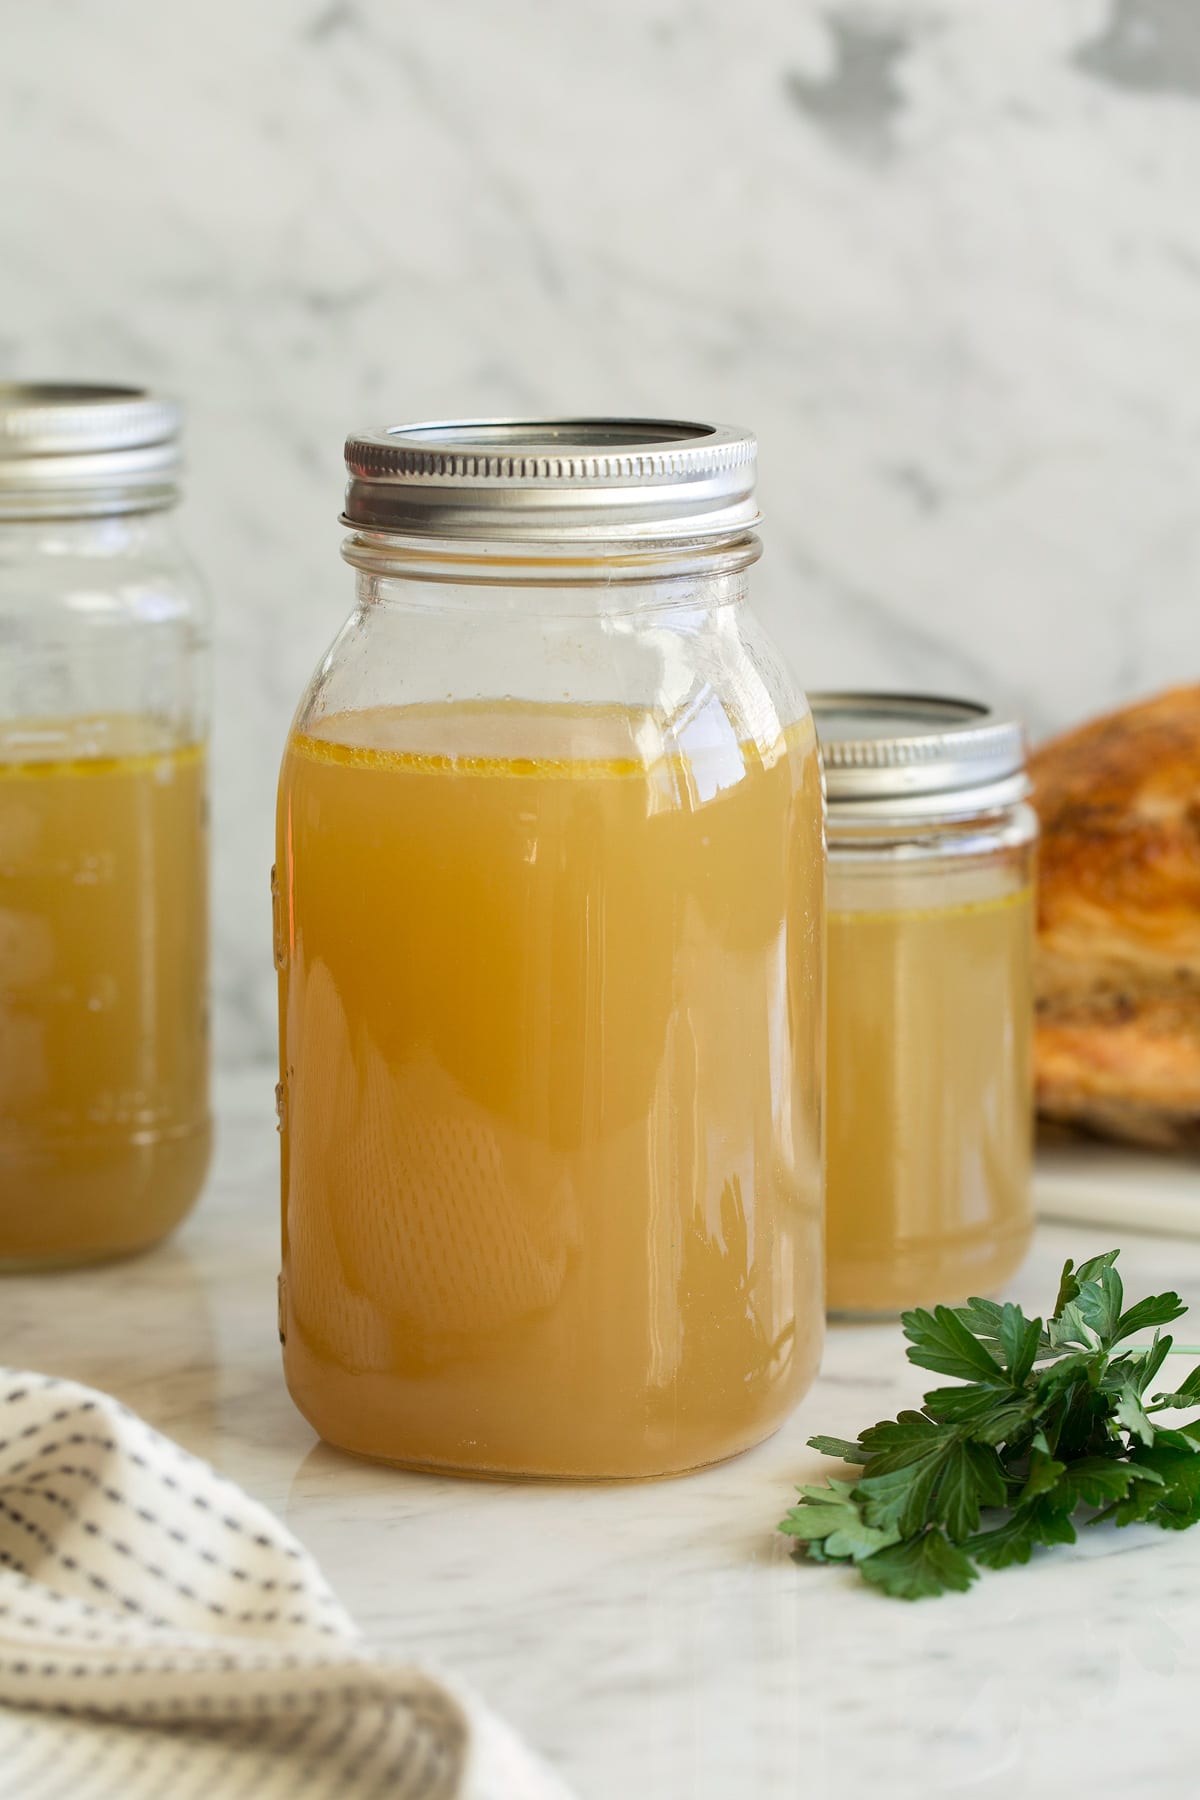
(931, 925)
(104, 1126)
(548, 913)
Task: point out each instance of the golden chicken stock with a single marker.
(104, 1134)
(930, 1098)
(551, 1053)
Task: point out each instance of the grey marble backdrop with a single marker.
(944, 255)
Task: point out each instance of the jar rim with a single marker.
(459, 562)
(592, 481)
(912, 757)
(75, 449)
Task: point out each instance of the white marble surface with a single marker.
(657, 1640)
(1120, 1188)
(943, 254)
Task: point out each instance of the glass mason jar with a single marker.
(549, 904)
(931, 927)
(104, 1127)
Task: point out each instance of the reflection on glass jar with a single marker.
(104, 1133)
(931, 918)
(549, 902)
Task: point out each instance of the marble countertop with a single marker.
(657, 1641)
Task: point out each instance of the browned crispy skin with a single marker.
(1118, 966)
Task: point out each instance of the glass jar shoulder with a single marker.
(567, 677)
(106, 629)
(975, 862)
(77, 575)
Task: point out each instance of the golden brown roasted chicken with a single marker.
(1118, 963)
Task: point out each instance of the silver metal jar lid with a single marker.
(552, 482)
(74, 450)
(913, 757)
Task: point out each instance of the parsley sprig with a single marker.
(1047, 1421)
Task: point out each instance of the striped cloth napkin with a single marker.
(162, 1634)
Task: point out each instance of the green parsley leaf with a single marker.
(1067, 1329)
(918, 1474)
(1176, 1500)
(1144, 1368)
(1068, 1289)
(1044, 1472)
(1130, 1415)
(1019, 1341)
(1059, 1378)
(1186, 1394)
(1097, 1480)
(1159, 1309)
(851, 1453)
(940, 1341)
(832, 1517)
(1084, 1299)
(991, 1415)
(1099, 1304)
(973, 1478)
(920, 1568)
(1015, 1540)
(1094, 1267)
(1074, 1279)
(982, 1319)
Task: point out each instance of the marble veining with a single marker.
(944, 255)
(857, 101)
(657, 1639)
(1149, 46)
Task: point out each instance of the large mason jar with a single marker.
(549, 931)
(104, 1126)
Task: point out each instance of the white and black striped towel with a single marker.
(163, 1635)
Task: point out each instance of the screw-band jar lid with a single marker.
(916, 756)
(553, 482)
(78, 450)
